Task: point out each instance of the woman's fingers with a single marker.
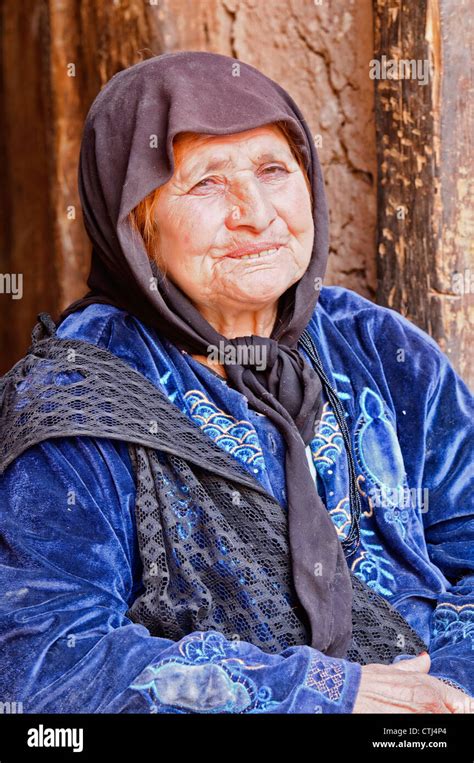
(457, 701)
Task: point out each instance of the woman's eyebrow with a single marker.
(219, 163)
(271, 156)
(200, 167)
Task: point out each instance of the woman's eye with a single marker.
(205, 184)
(202, 182)
(273, 171)
(277, 167)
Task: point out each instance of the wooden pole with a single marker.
(425, 178)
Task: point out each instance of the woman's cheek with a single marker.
(293, 205)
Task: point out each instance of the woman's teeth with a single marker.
(258, 254)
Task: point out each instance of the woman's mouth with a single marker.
(263, 253)
(256, 255)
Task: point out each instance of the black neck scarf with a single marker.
(200, 92)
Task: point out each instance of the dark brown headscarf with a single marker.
(217, 95)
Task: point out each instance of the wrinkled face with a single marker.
(229, 192)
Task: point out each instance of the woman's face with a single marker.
(229, 192)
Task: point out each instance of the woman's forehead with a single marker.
(195, 149)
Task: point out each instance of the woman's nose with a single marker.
(249, 205)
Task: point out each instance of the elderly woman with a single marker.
(225, 488)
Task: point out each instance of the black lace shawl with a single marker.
(185, 585)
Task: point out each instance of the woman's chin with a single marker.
(258, 294)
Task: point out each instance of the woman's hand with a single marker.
(405, 687)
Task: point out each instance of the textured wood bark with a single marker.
(57, 55)
(425, 184)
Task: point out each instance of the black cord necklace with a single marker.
(351, 542)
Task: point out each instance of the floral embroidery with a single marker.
(236, 437)
(341, 516)
(454, 623)
(164, 379)
(372, 567)
(207, 676)
(398, 517)
(330, 463)
(327, 445)
(344, 380)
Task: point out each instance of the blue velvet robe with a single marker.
(69, 557)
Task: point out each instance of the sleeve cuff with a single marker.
(330, 686)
